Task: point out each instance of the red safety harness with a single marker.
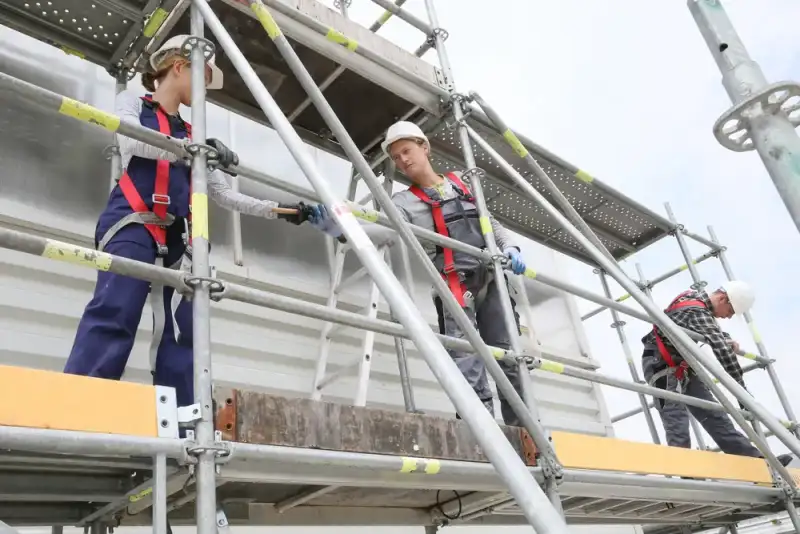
(680, 370)
(161, 198)
(457, 287)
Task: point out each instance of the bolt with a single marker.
(164, 423)
(163, 399)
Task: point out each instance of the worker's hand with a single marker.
(320, 219)
(301, 216)
(734, 346)
(225, 156)
(517, 265)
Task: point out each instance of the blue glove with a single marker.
(517, 265)
(320, 219)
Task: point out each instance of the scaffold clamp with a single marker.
(191, 42)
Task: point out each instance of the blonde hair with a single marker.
(151, 79)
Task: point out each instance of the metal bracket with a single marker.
(222, 521)
(193, 41)
(166, 412)
(442, 80)
(699, 285)
(732, 129)
(188, 415)
(110, 151)
(618, 324)
(338, 3)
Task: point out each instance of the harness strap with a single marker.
(454, 282)
(160, 197)
(679, 369)
(144, 218)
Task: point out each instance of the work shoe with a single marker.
(785, 459)
(488, 403)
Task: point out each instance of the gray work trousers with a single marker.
(676, 419)
(485, 309)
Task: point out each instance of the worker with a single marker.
(663, 367)
(445, 205)
(147, 218)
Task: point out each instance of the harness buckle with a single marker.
(449, 269)
(164, 200)
(161, 250)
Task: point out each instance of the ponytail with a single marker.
(149, 81)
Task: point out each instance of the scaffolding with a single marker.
(239, 469)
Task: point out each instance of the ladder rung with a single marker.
(339, 373)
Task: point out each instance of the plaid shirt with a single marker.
(702, 321)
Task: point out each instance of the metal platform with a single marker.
(301, 462)
(368, 96)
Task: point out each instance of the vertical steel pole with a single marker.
(530, 497)
(499, 274)
(793, 517)
(705, 368)
(687, 255)
(773, 134)
(206, 504)
(236, 217)
(405, 280)
(697, 283)
(626, 349)
(116, 157)
(762, 349)
(160, 494)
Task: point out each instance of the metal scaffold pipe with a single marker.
(399, 224)
(618, 325)
(762, 116)
(703, 366)
(762, 349)
(526, 491)
(206, 503)
(654, 281)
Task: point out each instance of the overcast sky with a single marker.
(630, 94)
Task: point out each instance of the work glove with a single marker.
(225, 156)
(303, 212)
(320, 219)
(517, 265)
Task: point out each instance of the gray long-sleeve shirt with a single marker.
(128, 107)
(417, 212)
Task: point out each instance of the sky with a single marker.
(630, 94)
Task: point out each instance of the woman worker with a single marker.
(147, 219)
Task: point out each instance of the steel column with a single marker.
(206, 503)
(160, 494)
(768, 127)
(618, 325)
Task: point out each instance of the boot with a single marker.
(487, 403)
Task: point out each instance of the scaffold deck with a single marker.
(367, 97)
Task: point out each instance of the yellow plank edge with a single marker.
(199, 215)
(580, 451)
(33, 398)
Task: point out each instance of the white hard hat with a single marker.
(402, 130)
(740, 294)
(174, 44)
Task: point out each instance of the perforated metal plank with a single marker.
(621, 227)
(86, 28)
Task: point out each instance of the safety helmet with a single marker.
(402, 130)
(740, 294)
(174, 44)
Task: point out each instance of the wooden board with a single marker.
(45, 399)
(579, 451)
(252, 417)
